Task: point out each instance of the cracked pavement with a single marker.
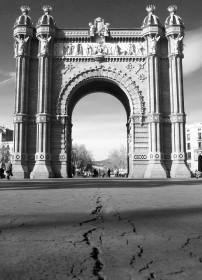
(102, 229)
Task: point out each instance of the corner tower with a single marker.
(45, 32)
(23, 33)
(152, 32)
(174, 31)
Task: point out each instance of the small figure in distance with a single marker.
(198, 174)
(108, 172)
(8, 167)
(2, 167)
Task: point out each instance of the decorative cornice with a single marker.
(120, 33)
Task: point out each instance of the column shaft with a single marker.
(21, 117)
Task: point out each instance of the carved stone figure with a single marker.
(131, 49)
(44, 44)
(89, 49)
(105, 49)
(140, 48)
(57, 49)
(80, 49)
(100, 49)
(71, 49)
(153, 43)
(92, 29)
(175, 44)
(116, 49)
(106, 29)
(95, 49)
(21, 45)
(65, 49)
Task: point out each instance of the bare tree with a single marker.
(5, 153)
(117, 158)
(81, 157)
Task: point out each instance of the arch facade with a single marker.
(56, 67)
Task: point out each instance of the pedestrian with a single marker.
(8, 168)
(2, 168)
(108, 172)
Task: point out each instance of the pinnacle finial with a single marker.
(172, 9)
(24, 9)
(150, 8)
(47, 9)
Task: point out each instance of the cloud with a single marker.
(192, 52)
(8, 77)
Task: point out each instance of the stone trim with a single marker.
(112, 74)
(178, 118)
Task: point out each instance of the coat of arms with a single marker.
(99, 27)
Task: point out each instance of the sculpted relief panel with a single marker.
(90, 49)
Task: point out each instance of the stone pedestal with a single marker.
(155, 168)
(42, 170)
(179, 170)
(20, 170)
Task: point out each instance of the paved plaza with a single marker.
(111, 229)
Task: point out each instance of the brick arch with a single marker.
(122, 80)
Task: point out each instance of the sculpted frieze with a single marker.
(93, 49)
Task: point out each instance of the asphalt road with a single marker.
(112, 229)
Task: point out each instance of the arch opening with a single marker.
(99, 123)
(109, 92)
(98, 85)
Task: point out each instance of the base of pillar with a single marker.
(60, 170)
(179, 170)
(156, 170)
(42, 171)
(20, 171)
(137, 170)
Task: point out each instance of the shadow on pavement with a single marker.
(94, 183)
(27, 221)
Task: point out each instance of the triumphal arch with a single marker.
(141, 67)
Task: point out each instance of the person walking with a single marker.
(8, 168)
(108, 172)
(2, 167)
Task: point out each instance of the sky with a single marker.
(99, 119)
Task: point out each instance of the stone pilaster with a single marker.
(175, 32)
(60, 159)
(23, 32)
(45, 34)
(178, 119)
(152, 33)
(130, 145)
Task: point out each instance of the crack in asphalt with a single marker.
(86, 234)
(152, 276)
(132, 260)
(95, 253)
(73, 274)
(189, 239)
(140, 252)
(98, 207)
(98, 263)
(133, 226)
(146, 266)
(176, 272)
(88, 221)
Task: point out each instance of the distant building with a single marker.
(193, 144)
(6, 143)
